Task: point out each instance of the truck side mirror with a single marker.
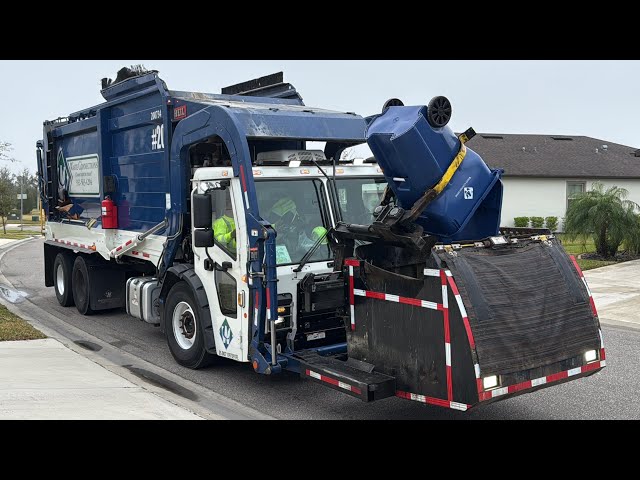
(201, 210)
(203, 238)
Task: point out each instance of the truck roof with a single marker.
(255, 116)
(279, 118)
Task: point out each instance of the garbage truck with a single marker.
(233, 223)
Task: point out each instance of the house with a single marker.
(542, 172)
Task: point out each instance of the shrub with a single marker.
(537, 222)
(551, 223)
(521, 222)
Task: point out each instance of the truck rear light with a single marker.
(590, 356)
(490, 382)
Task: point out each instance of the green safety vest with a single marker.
(223, 227)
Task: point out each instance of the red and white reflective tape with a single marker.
(352, 299)
(333, 381)
(432, 401)
(352, 263)
(476, 369)
(447, 334)
(126, 244)
(255, 309)
(584, 280)
(72, 244)
(541, 381)
(463, 311)
(140, 254)
(268, 305)
(243, 181)
(431, 272)
(416, 302)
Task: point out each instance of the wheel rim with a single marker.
(60, 279)
(184, 325)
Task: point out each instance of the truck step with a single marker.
(337, 374)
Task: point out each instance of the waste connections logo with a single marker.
(226, 334)
(64, 174)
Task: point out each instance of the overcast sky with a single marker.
(594, 98)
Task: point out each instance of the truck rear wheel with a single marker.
(184, 329)
(62, 267)
(81, 287)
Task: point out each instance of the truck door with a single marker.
(223, 283)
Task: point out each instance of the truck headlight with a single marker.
(490, 382)
(590, 356)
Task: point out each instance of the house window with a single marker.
(574, 188)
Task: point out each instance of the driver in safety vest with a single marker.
(224, 228)
(291, 228)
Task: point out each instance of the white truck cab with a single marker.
(305, 191)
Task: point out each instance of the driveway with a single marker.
(616, 292)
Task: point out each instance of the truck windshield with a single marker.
(359, 197)
(299, 214)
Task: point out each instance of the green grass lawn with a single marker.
(13, 327)
(24, 222)
(576, 247)
(17, 234)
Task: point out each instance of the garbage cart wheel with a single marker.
(439, 112)
(392, 102)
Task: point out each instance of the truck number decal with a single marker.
(155, 115)
(157, 137)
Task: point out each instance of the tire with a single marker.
(62, 267)
(439, 112)
(184, 328)
(81, 287)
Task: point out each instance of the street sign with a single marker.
(22, 196)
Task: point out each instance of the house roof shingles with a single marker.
(553, 156)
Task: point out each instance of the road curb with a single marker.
(130, 367)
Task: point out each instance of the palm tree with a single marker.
(606, 215)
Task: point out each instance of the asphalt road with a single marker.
(609, 394)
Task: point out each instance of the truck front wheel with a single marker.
(62, 266)
(184, 329)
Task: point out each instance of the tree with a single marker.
(632, 238)
(606, 215)
(4, 148)
(7, 195)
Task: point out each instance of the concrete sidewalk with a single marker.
(43, 379)
(6, 241)
(616, 292)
